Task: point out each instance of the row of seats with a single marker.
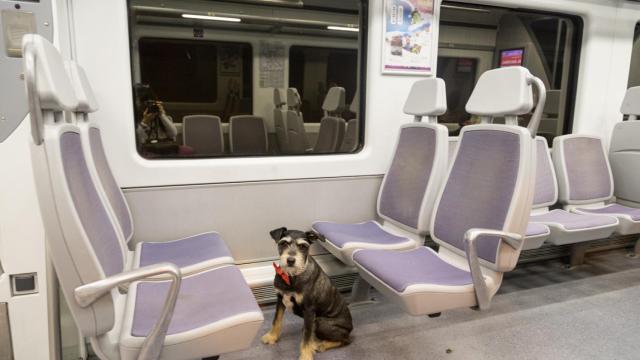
(475, 209)
(334, 135)
(184, 300)
(420, 195)
(247, 135)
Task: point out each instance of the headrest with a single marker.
(293, 98)
(503, 91)
(335, 100)
(87, 102)
(631, 102)
(427, 97)
(278, 98)
(53, 87)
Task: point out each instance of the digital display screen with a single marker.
(511, 57)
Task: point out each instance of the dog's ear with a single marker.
(278, 233)
(313, 236)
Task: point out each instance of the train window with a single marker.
(634, 71)
(474, 39)
(212, 79)
(314, 70)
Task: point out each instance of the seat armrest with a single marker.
(151, 348)
(470, 238)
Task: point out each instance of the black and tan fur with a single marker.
(310, 295)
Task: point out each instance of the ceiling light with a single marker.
(464, 8)
(343, 28)
(213, 18)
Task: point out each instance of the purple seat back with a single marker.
(484, 190)
(248, 135)
(203, 133)
(91, 211)
(403, 198)
(546, 193)
(584, 173)
(112, 190)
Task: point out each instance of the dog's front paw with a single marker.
(269, 338)
(306, 356)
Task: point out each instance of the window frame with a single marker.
(362, 49)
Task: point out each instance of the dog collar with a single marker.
(283, 275)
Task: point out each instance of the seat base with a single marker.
(366, 231)
(192, 254)
(215, 314)
(537, 234)
(627, 226)
(422, 298)
(571, 228)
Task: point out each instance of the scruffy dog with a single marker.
(305, 289)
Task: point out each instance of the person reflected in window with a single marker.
(154, 124)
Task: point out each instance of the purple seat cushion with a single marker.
(368, 232)
(204, 299)
(400, 269)
(535, 229)
(184, 252)
(615, 209)
(573, 221)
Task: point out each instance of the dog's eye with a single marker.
(303, 246)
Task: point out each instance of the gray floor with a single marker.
(542, 312)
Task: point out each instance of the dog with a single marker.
(303, 288)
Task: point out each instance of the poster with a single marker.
(271, 64)
(410, 37)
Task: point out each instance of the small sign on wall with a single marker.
(272, 64)
(410, 41)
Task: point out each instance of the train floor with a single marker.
(543, 311)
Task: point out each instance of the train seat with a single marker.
(410, 186)
(248, 135)
(203, 133)
(278, 120)
(350, 141)
(481, 213)
(586, 181)
(154, 319)
(294, 121)
(332, 126)
(535, 235)
(566, 227)
(192, 253)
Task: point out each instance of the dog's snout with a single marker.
(291, 261)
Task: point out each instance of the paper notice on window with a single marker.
(272, 64)
(409, 37)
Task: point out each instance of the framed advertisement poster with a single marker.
(410, 37)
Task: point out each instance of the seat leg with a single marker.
(212, 358)
(577, 254)
(359, 291)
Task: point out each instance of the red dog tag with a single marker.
(283, 275)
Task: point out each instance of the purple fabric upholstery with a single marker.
(203, 133)
(400, 269)
(479, 191)
(616, 209)
(404, 186)
(248, 135)
(90, 209)
(587, 169)
(109, 184)
(535, 229)
(204, 299)
(545, 192)
(573, 221)
(369, 232)
(184, 252)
